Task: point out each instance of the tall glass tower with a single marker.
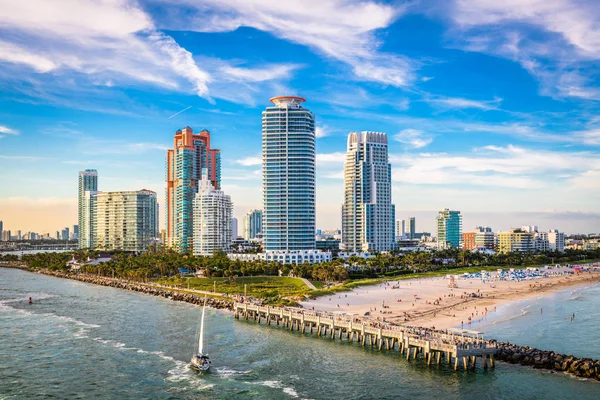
(449, 229)
(288, 151)
(88, 186)
(368, 213)
(190, 157)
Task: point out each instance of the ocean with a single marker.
(84, 341)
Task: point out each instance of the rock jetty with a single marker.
(542, 359)
(146, 289)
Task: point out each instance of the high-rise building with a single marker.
(252, 224)
(126, 221)
(75, 233)
(234, 228)
(212, 220)
(64, 234)
(1, 227)
(368, 213)
(190, 156)
(288, 151)
(88, 220)
(6, 236)
(449, 229)
(88, 183)
(400, 228)
(411, 228)
(516, 240)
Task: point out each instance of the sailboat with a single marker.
(200, 361)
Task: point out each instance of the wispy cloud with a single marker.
(413, 138)
(341, 30)
(261, 74)
(326, 158)
(553, 39)
(322, 130)
(8, 131)
(112, 41)
(502, 166)
(250, 161)
(460, 103)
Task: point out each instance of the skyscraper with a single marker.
(212, 220)
(400, 228)
(75, 234)
(252, 224)
(288, 151)
(88, 184)
(1, 227)
(411, 228)
(368, 213)
(449, 229)
(234, 227)
(190, 156)
(126, 221)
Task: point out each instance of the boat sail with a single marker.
(201, 361)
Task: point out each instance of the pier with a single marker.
(436, 347)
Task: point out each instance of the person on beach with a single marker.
(31, 302)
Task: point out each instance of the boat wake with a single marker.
(279, 385)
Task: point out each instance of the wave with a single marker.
(278, 385)
(83, 327)
(225, 372)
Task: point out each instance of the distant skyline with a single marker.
(491, 108)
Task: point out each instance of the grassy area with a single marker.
(257, 286)
(274, 288)
(318, 284)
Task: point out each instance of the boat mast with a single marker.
(201, 339)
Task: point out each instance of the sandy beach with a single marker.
(431, 302)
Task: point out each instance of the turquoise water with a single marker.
(79, 341)
(545, 322)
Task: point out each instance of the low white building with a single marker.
(286, 257)
(347, 254)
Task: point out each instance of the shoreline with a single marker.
(586, 368)
(189, 296)
(431, 303)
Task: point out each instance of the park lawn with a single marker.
(257, 286)
(318, 284)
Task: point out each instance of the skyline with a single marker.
(487, 106)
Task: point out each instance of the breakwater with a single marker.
(542, 359)
(149, 289)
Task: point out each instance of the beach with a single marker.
(433, 303)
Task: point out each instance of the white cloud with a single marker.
(327, 158)
(250, 161)
(340, 29)
(509, 166)
(112, 41)
(322, 131)
(8, 131)
(414, 138)
(558, 58)
(458, 102)
(265, 73)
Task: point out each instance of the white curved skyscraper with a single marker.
(288, 152)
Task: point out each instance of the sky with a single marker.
(490, 107)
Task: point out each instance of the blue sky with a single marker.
(491, 107)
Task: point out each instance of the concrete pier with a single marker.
(433, 345)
